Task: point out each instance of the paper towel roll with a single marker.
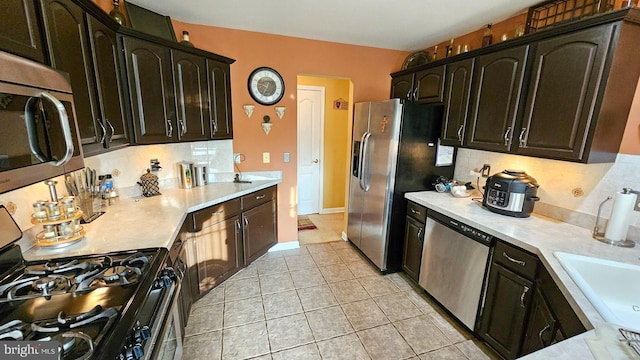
(620, 216)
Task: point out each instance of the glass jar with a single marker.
(40, 210)
(49, 232)
(53, 210)
(75, 224)
(68, 206)
(65, 229)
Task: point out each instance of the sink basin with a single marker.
(612, 287)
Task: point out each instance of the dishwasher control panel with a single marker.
(469, 231)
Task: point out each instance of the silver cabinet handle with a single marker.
(541, 333)
(104, 131)
(246, 221)
(220, 212)
(415, 212)
(460, 133)
(260, 197)
(415, 94)
(113, 131)
(524, 292)
(409, 94)
(214, 125)
(521, 138)
(506, 136)
(515, 261)
(419, 233)
(183, 127)
(169, 128)
(238, 224)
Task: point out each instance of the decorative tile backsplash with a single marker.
(564, 185)
(130, 163)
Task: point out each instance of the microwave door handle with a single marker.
(32, 133)
(66, 128)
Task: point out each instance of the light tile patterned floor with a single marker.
(323, 301)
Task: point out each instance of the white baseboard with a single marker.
(344, 236)
(332, 211)
(285, 246)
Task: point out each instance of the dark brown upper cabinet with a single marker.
(111, 122)
(496, 96)
(456, 103)
(565, 93)
(219, 80)
(190, 81)
(151, 91)
(67, 41)
(20, 31)
(426, 86)
(402, 87)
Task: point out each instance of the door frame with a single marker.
(321, 150)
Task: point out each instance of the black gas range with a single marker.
(105, 306)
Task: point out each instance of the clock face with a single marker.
(266, 86)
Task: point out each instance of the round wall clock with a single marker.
(266, 86)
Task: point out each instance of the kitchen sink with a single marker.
(612, 287)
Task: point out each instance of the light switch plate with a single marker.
(287, 157)
(266, 157)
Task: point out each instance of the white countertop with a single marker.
(139, 223)
(541, 236)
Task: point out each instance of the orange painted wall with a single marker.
(368, 68)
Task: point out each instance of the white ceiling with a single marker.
(392, 24)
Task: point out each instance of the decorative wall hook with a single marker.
(248, 109)
(280, 111)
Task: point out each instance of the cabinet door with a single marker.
(259, 230)
(456, 104)
(506, 304)
(402, 87)
(110, 97)
(217, 253)
(541, 327)
(219, 79)
(412, 253)
(191, 251)
(150, 91)
(497, 84)
(20, 31)
(429, 85)
(563, 93)
(190, 79)
(66, 36)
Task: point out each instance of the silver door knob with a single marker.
(316, 161)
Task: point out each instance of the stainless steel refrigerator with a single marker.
(395, 147)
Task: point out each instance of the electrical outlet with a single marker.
(486, 169)
(287, 157)
(266, 157)
(237, 159)
(637, 206)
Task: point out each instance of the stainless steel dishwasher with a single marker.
(454, 262)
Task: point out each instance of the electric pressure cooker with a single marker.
(511, 193)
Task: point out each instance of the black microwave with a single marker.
(38, 132)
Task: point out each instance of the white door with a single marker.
(310, 140)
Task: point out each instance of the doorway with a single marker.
(311, 100)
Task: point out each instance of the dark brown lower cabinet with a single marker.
(542, 329)
(217, 252)
(259, 227)
(412, 252)
(507, 304)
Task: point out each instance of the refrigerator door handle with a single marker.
(364, 167)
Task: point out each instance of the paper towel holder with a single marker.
(599, 231)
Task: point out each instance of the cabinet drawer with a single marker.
(211, 215)
(417, 212)
(516, 260)
(258, 197)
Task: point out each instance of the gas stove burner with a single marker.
(63, 323)
(46, 286)
(136, 260)
(62, 267)
(13, 330)
(71, 340)
(67, 342)
(119, 274)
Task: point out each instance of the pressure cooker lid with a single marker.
(518, 176)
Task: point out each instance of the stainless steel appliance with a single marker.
(454, 262)
(106, 306)
(511, 193)
(39, 138)
(395, 146)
